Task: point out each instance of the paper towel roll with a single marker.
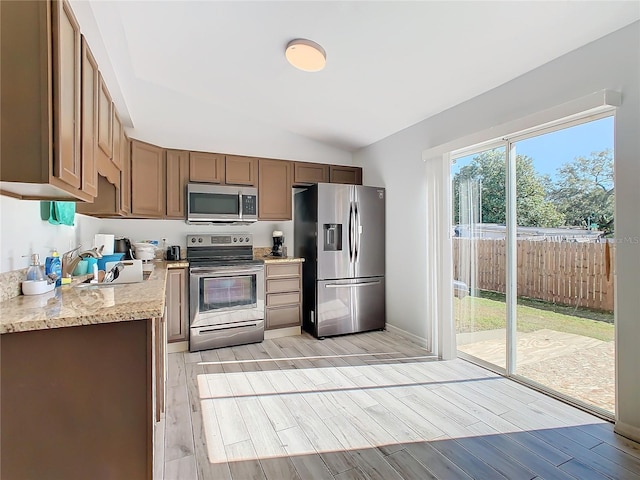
(106, 240)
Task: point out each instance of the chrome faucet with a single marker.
(69, 262)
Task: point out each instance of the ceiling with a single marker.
(218, 67)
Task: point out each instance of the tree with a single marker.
(488, 172)
(584, 191)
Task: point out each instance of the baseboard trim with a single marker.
(282, 332)
(176, 347)
(626, 430)
(407, 335)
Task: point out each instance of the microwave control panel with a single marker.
(249, 205)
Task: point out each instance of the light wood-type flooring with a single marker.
(370, 406)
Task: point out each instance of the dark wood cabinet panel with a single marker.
(206, 167)
(105, 120)
(305, 173)
(177, 179)
(67, 95)
(147, 180)
(345, 174)
(89, 116)
(176, 300)
(241, 170)
(274, 189)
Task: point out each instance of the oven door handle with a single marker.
(208, 272)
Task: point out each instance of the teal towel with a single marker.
(60, 213)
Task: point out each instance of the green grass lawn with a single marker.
(475, 314)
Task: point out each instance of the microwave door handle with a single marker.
(240, 204)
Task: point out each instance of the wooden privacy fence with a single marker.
(566, 273)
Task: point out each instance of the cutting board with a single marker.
(131, 273)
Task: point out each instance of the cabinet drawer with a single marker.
(277, 299)
(283, 317)
(282, 270)
(283, 285)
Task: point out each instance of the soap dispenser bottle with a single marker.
(54, 265)
(35, 270)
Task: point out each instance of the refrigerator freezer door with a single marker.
(349, 306)
(335, 217)
(369, 231)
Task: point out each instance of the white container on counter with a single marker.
(104, 239)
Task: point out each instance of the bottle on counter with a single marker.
(35, 270)
(54, 265)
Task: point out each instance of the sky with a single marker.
(551, 150)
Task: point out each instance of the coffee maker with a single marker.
(278, 244)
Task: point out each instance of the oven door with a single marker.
(226, 294)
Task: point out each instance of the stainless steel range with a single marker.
(226, 290)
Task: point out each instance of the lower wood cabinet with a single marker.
(177, 305)
(274, 189)
(283, 295)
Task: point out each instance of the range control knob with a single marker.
(199, 239)
(241, 239)
(246, 239)
(193, 240)
(235, 239)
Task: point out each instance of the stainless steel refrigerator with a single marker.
(339, 231)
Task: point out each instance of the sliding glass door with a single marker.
(479, 215)
(533, 259)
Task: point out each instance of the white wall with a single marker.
(23, 233)
(396, 162)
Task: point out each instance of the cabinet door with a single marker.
(147, 180)
(105, 120)
(116, 151)
(274, 189)
(176, 305)
(177, 179)
(240, 170)
(206, 167)
(310, 173)
(89, 121)
(125, 176)
(66, 95)
(344, 174)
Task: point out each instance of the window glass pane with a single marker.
(479, 248)
(565, 208)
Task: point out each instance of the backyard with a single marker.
(568, 349)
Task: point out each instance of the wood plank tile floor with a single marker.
(370, 406)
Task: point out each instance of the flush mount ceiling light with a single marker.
(306, 55)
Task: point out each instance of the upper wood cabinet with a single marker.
(345, 174)
(177, 179)
(241, 170)
(206, 167)
(40, 94)
(274, 189)
(89, 116)
(116, 150)
(105, 120)
(305, 173)
(125, 176)
(66, 95)
(148, 180)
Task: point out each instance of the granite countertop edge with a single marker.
(70, 306)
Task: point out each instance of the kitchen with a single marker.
(404, 184)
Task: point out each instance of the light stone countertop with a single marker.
(283, 260)
(69, 306)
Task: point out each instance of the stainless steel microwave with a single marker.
(210, 204)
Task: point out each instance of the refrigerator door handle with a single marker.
(351, 285)
(356, 232)
(351, 232)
